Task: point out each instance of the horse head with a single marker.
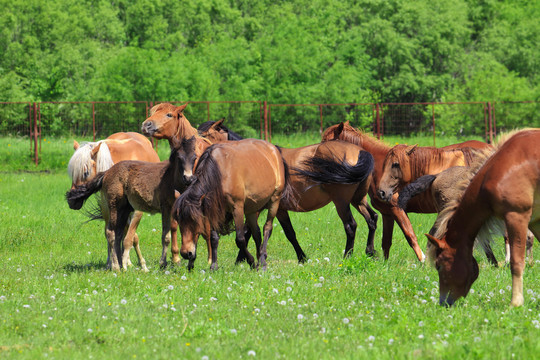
(82, 166)
(165, 121)
(183, 158)
(214, 131)
(397, 171)
(457, 270)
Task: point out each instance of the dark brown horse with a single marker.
(337, 172)
(91, 158)
(233, 180)
(507, 188)
(389, 210)
(137, 185)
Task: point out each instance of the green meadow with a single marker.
(57, 301)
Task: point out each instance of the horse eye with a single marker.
(169, 115)
(395, 165)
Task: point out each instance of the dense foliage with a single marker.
(281, 51)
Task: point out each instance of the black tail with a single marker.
(416, 187)
(76, 197)
(332, 171)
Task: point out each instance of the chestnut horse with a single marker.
(507, 188)
(403, 164)
(167, 121)
(137, 185)
(389, 210)
(93, 157)
(337, 172)
(233, 180)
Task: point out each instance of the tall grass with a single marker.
(58, 301)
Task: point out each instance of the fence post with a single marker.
(36, 159)
(378, 119)
(320, 112)
(490, 119)
(433, 121)
(265, 120)
(93, 121)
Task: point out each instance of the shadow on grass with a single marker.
(91, 266)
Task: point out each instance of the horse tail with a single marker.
(334, 171)
(416, 187)
(289, 192)
(77, 196)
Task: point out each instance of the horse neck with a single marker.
(431, 161)
(469, 216)
(184, 130)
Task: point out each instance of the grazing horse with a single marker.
(337, 172)
(443, 188)
(167, 121)
(93, 157)
(233, 180)
(137, 185)
(389, 210)
(507, 188)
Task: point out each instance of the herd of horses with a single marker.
(216, 182)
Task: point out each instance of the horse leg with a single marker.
(506, 248)
(238, 215)
(285, 221)
(175, 250)
(131, 239)
(165, 236)
(371, 220)
(530, 242)
(251, 221)
(388, 230)
(214, 240)
(267, 231)
(247, 235)
(516, 225)
(405, 224)
(344, 211)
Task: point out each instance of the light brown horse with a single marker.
(168, 122)
(137, 185)
(233, 180)
(337, 172)
(389, 210)
(444, 188)
(93, 157)
(507, 188)
(403, 164)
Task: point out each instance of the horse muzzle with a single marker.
(384, 195)
(148, 128)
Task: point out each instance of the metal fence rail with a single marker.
(99, 119)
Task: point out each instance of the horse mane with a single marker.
(355, 136)
(481, 157)
(83, 156)
(204, 199)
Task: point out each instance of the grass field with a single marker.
(58, 302)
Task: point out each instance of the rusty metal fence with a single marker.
(97, 120)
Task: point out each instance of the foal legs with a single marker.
(132, 240)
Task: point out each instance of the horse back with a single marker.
(253, 172)
(131, 146)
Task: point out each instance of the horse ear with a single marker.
(339, 129)
(438, 243)
(181, 108)
(218, 123)
(346, 122)
(410, 149)
(75, 145)
(95, 150)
